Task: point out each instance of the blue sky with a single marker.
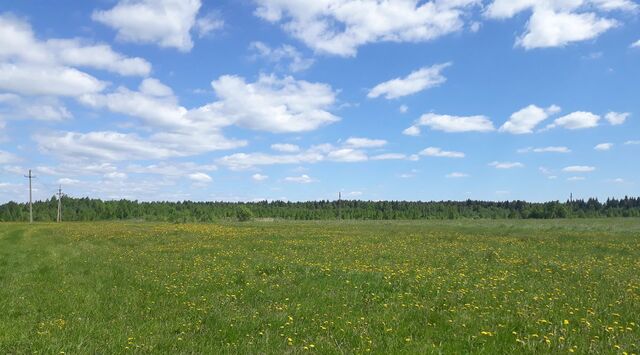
(297, 100)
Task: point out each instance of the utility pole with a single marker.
(30, 177)
(60, 204)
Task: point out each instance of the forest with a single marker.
(87, 209)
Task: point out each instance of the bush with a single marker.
(244, 214)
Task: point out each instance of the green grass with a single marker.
(327, 287)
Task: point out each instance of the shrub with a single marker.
(244, 214)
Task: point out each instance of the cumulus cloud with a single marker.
(285, 148)
(419, 80)
(545, 150)
(576, 120)
(29, 79)
(243, 161)
(437, 152)
(525, 120)
(452, 124)
(42, 108)
(506, 165)
(413, 131)
(200, 178)
(7, 158)
(603, 146)
(617, 118)
(339, 27)
(355, 142)
(259, 177)
(579, 169)
(389, 156)
(167, 23)
(352, 150)
(285, 55)
(116, 146)
(19, 43)
(272, 104)
(302, 179)
(456, 176)
(208, 24)
(559, 23)
(347, 155)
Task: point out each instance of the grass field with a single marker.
(569, 286)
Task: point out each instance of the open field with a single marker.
(489, 287)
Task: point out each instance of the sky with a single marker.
(245, 100)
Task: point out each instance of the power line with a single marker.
(30, 177)
(60, 204)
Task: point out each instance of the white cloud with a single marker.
(165, 22)
(99, 56)
(102, 146)
(617, 181)
(115, 175)
(632, 142)
(347, 155)
(259, 177)
(403, 109)
(617, 118)
(339, 27)
(389, 156)
(153, 87)
(636, 44)
(419, 80)
(610, 5)
(272, 104)
(283, 55)
(45, 108)
(205, 25)
(559, 23)
(506, 165)
(525, 120)
(576, 120)
(285, 148)
(201, 178)
(437, 152)
(302, 179)
(457, 176)
(603, 146)
(68, 182)
(242, 161)
(548, 28)
(576, 178)
(355, 142)
(31, 79)
(6, 157)
(413, 131)
(454, 124)
(579, 169)
(545, 150)
(169, 169)
(19, 43)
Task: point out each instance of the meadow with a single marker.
(331, 287)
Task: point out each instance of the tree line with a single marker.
(87, 209)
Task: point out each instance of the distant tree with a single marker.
(244, 214)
